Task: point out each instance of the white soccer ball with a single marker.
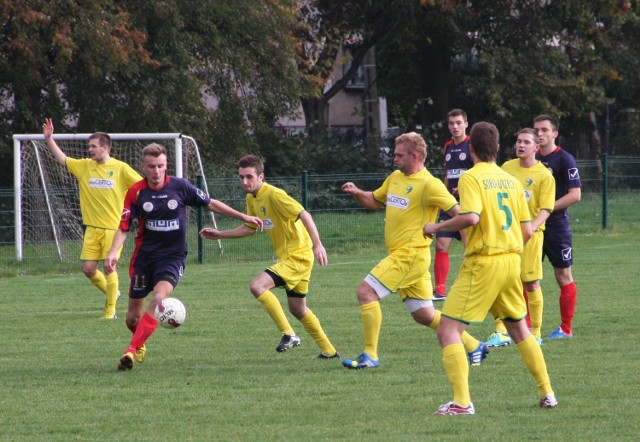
(171, 313)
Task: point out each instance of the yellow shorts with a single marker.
(96, 243)
(295, 271)
(407, 273)
(486, 284)
(532, 258)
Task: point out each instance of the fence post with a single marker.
(605, 190)
(200, 215)
(305, 190)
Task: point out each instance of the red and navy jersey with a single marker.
(565, 171)
(161, 215)
(457, 159)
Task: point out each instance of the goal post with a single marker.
(47, 208)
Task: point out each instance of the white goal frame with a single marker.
(19, 143)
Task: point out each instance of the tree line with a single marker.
(224, 71)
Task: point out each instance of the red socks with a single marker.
(440, 271)
(145, 328)
(568, 295)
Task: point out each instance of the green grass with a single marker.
(219, 377)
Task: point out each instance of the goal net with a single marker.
(48, 222)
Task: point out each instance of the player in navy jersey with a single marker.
(158, 202)
(557, 235)
(457, 159)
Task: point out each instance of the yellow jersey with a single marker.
(280, 214)
(102, 188)
(411, 202)
(498, 198)
(539, 186)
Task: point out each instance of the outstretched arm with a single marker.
(365, 199)
(47, 131)
(318, 249)
(221, 208)
(238, 232)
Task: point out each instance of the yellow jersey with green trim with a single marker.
(498, 199)
(102, 188)
(411, 202)
(280, 215)
(539, 186)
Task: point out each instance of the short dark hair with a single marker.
(485, 140)
(103, 138)
(251, 161)
(457, 113)
(550, 118)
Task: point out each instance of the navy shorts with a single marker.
(146, 273)
(557, 244)
(443, 216)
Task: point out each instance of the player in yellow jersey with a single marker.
(494, 211)
(296, 242)
(412, 197)
(103, 182)
(539, 189)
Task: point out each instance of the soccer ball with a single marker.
(171, 313)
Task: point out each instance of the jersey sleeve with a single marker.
(573, 175)
(439, 196)
(547, 194)
(380, 194)
(469, 191)
(129, 211)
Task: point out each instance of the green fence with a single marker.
(610, 200)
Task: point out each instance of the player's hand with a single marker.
(429, 230)
(321, 255)
(349, 188)
(47, 128)
(255, 220)
(110, 263)
(210, 233)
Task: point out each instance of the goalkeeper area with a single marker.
(48, 222)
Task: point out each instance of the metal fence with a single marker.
(610, 201)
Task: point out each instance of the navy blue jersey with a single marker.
(161, 215)
(457, 159)
(565, 171)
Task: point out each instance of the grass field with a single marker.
(219, 377)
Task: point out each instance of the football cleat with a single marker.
(549, 401)
(559, 334)
(126, 362)
(140, 354)
(109, 313)
(439, 296)
(362, 361)
(477, 356)
(450, 408)
(324, 356)
(498, 340)
(287, 342)
(538, 339)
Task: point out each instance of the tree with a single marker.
(508, 61)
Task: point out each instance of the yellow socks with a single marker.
(274, 309)
(99, 281)
(531, 354)
(500, 328)
(371, 323)
(536, 304)
(312, 325)
(456, 364)
(112, 290)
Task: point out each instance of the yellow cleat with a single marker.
(140, 354)
(109, 313)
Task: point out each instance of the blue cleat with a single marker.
(498, 340)
(559, 334)
(477, 356)
(363, 361)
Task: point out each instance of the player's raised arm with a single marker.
(220, 207)
(47, 131)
